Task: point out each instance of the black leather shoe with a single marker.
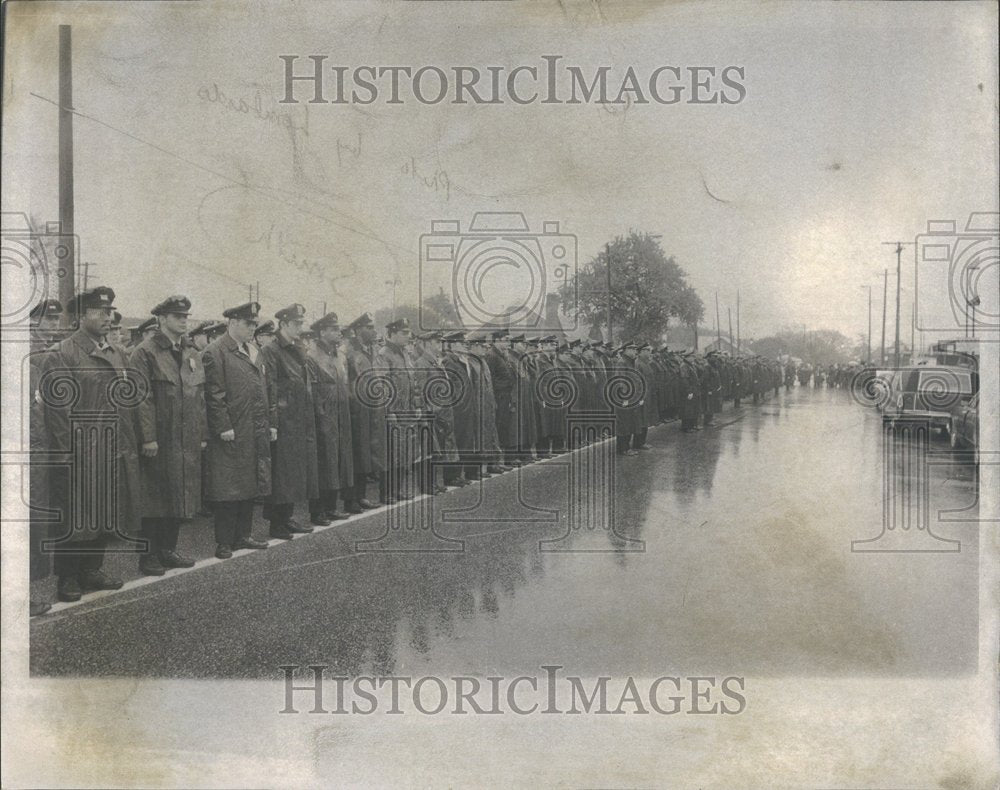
(150, 566)
(223, 552)
(366, 504)
(494, 469)
(251, 543)
(388, 500)
(299, 529)
(69, 589)
(320, 519)
(99, 580)
(36, 608)
(171, 559)
(335, 515)
(354, 507)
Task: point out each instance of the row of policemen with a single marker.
(242, 412)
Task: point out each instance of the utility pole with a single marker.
(868, 357)
(607, 254)
(718, 323)
(739, 343)
(729, 311)
(899, 285)
(885, 296)
(67, 280)
(257, 299)
(393, 282)
(249, 293)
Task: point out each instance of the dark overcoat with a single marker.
(368, 421)
(173, 416)
(86, 398)
(331, 399)
(236, 399)
(294, 476)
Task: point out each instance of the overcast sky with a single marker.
(860, 123)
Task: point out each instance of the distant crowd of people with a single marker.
(234, 413)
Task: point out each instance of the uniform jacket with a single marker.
(86, 398)
(331, 399)
(236, 398)
(405, 404)
(173, 416)
(628, 396)
(294, 476)
(368, 415)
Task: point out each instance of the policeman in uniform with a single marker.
(331, 399)
(172, 432)
(145, 330)
(263, 336)
(102, 388)
(198, 336)
(44, 323)
(368, 424)
(117, 335)
(240, 432)
(294, 475)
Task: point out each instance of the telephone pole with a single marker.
(732, 348)
(67, 277)
(885, 296)
(718, 323)
(739, 344)
(607, 255)
(899, 285)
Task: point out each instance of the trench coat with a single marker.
(651, 403)
(368, 416)
(432, 381)
(525, 431)
(173, 416)
(468, 410)
(331, 399)
(404, 408)
(294, 476)
(628, 396)
(504, 379)
(86, 399)
(236, 398)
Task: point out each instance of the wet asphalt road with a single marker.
(730, 553)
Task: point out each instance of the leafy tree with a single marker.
(648, 288)
(815, 346)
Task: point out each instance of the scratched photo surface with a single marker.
(627, 414)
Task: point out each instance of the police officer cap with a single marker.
(96, 298)
(267, 328)
(149, 323)
(178, 304)
(329, 321)
(215, 328)
(201, 328)
(499, 333)
(454, 337)
(548, 339)
(308, 334)
(248, 311)
(116, 319)
(517, 338)
(46, 307)
(398, 325)
(574, 343)
(363, 320)
(294, 312)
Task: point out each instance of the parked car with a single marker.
(964, 427)
(929, 392)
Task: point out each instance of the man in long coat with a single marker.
(627, 391)
(240, 430)
(368, 421)
(331, 399)
(504, 380)
(294, 476)
(86, 394)
(405, 448)
(482, 383)
(525, 430)
(44, 318)
(172, 431)
(439, 399)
